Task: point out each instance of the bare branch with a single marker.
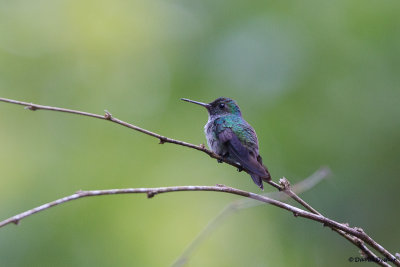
(159, 190)
(151, 192)
(107, 116)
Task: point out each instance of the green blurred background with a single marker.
(319, 81)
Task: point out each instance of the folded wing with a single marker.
(246, 157)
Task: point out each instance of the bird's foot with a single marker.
(224, 156)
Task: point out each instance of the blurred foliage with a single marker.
(319, 81)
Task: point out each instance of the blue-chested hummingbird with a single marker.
(232, 138)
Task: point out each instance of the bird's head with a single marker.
(220, 106)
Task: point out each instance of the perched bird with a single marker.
(231, 137)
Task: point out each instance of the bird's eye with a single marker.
(221, 106)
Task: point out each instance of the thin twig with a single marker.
(354, 232)
(107, 116)
(151, 192)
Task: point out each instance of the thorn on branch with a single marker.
(358, 229)
(162, 140)
(151, 194)
(239, 169)
(16, 221)
(295, 214)
(202, 146)
(220, 185)
(107, 115)
(33, 108)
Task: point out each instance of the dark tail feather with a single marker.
(257, 180)
(266, 178)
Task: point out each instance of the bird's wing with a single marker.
(240, 153)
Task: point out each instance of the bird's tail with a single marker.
(257, 180)
(267, 176)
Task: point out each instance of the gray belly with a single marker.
(212, 140)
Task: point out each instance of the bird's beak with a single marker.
(195, 102)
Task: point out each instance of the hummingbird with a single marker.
(232, 138)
